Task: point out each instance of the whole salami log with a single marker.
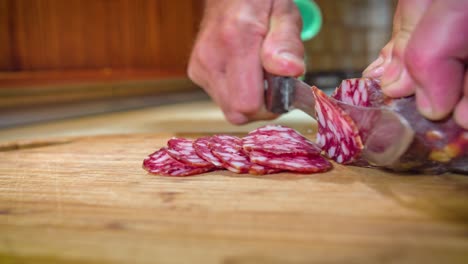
(438, 146)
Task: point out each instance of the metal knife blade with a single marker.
(385, 134)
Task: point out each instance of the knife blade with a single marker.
(385, 134)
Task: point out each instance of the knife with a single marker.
(385, 134)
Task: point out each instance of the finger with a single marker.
(283, 51)
(396, 81)
(377, 68)
(461, 110)
(436, 57)
(244, 72)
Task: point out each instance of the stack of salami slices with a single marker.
(266, 150)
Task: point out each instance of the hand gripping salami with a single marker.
(438, 146)
(337, 134)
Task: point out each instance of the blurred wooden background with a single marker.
(96, 36)
(118, 39)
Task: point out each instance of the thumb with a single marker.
(282, 50)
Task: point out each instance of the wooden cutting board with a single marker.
(87, 200)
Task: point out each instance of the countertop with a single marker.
(73, 191)
(199, 116)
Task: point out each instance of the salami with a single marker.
(278, 140)
(182, 150)
(438, 146)
(257, 169)
(162, 163)
(337, 134)
(202, 148)
(363, 92)
(228, 149)
(296, 163)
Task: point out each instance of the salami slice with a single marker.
(290, 162)
(202, 148)
(278, 140)
(182, 150)
(337, 135)
(228, 149)
(162, 163)
(257, 169)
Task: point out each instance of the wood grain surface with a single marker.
(77, 34)
(87, 200)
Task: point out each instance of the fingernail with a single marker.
(393, 72)
(375, 73)
(291, 64)
(374, 66)
(291, 57)
(424, 103)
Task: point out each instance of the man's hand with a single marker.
(428, 55)
(239, 39)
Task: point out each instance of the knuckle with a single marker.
(235, 118)
(247, 107)
(238, 25)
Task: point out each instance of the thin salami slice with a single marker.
(228, 149)
(290, 162)
(278, 140)
(162, 163)
(257, 169)
(182, 150)
(154, 158)
(202, 148)
(337, 135)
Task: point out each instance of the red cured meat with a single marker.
(182, 150)
(337, 134)
(438, 146)
(290, 162)
(162, 163)
(360, 92)
(228, 149)
(202, 148)
(278, 140)
(257, 169)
